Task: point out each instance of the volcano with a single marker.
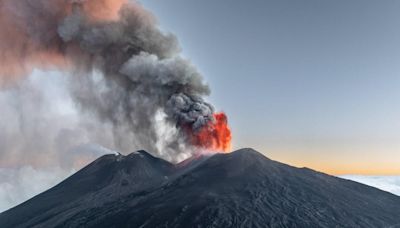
(240, 189)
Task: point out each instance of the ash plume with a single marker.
(124, 71)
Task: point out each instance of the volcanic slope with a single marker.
(240, 189)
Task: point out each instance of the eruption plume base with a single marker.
(215, 135)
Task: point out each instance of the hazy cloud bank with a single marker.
(386, 183)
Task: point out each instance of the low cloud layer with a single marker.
(386, 183)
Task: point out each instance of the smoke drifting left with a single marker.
(123, 71)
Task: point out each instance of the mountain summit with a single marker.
(240, 189)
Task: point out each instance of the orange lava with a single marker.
(215, 136)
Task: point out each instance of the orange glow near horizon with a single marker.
(337, 160)
(215, 136)
(348, 169)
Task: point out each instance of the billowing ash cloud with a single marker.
(125, 72)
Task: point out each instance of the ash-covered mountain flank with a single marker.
(240, 189)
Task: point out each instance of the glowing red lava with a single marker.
(215, 136)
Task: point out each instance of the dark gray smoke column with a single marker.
(125, 71)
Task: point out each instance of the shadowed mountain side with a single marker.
(240, 189)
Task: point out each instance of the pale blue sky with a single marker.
(311, 82)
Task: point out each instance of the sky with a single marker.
(310, 83)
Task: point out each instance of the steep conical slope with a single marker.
(241, 189)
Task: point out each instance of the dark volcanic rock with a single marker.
(241, 189)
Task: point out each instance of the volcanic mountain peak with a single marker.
(142, 154)
(245, 156)
(240, 189)
(119, 157)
